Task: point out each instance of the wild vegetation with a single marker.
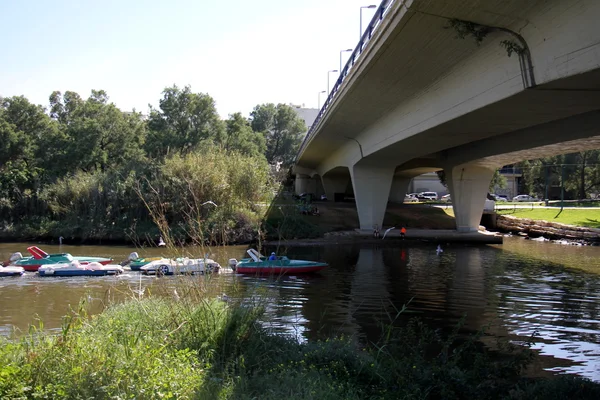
(195, 346)
(85, 170)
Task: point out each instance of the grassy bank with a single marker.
(580, 217)
(194, 347)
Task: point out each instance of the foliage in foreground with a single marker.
(162, 348)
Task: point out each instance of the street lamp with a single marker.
(343, 51)
(329, 72)
(320, 93)
(361, 8)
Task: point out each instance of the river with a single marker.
(515, 290)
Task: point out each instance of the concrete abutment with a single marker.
(468, 186)
(399, 189)
(371, 183)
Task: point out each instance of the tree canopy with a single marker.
(82, 166)
(283, 130)
(183, 120)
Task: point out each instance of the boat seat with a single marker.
(94, 265)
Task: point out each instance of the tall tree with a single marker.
(283, 130)
(240, 137)
(183, 120)
(99, 135)
(24, 127)
(578, 173)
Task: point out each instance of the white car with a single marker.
(524, 197)
(446, 198)
(427, 196)
(185, 265)
(410, 199)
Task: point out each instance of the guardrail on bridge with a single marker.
(365, 38)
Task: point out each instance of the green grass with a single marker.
(580, 217)
(194, 347)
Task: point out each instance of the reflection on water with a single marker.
(513, 289)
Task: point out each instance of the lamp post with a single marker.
(343, 51)
(329, 72)
(361, 8)
(320, 93)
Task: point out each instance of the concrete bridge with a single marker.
(463, 86)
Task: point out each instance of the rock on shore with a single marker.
(550, 230)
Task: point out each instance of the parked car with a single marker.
(446, 198)
(427, 196)
(524, 197)
(410, 199)
(497, 197)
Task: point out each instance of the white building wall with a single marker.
(308, 115)
(429, 182)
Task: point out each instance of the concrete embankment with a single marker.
(440, 235)
(550, 230)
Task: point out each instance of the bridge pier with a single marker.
(334, 184)
(372, 185)
(468, 186)
(304, 184)
(399, 189)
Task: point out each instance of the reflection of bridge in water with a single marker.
(506, 294)
(376, 282)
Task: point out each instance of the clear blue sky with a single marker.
(241, 52)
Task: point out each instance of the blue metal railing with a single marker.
(366, 37)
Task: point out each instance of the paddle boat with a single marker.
(259, 264)
(75, 268)
(135, 262)
(11, 271)
(182, 265)
(39, 257)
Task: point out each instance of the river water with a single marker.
(515, 290)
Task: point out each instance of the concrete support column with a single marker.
(319, 189)
(468, 186)
(334, 184)
(372, 185)
(399, 189)
(301, 184)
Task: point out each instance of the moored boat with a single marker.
(259, 264)
(184, 265)
(135, 262)
(39, 258)
(11, 271)
(75, 268)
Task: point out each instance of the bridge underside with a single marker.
(422, 100)
(516, 129)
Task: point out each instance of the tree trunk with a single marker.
(582, 177)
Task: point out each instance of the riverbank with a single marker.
(548, 230)
(197, 347)
(365, 236)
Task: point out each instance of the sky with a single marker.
(241, 52)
